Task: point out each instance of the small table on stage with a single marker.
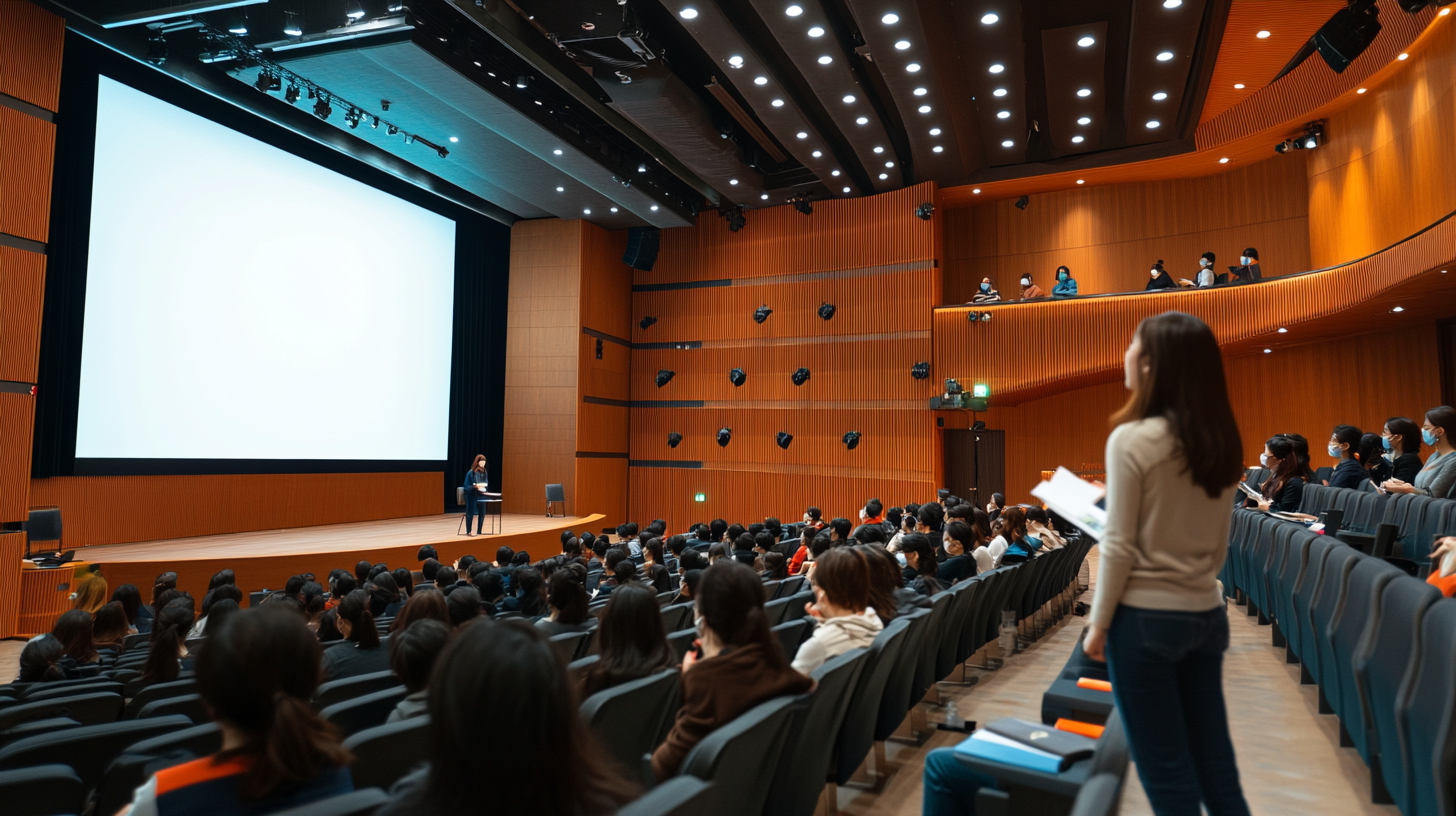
(485, 499)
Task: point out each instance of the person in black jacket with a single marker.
(1160, 279)
(959, 540)
(1402, 439)
(1372, 458)
(1344, 446)
(1285, 486)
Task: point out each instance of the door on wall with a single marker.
(975, 464)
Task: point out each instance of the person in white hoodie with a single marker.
(841, 609)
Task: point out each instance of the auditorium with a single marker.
(728, 407)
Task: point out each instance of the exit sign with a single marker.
(698, 497)
(980, 391)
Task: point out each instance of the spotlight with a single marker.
(761, 314)
(783, 440)
(920, 371)
(801, 203)
(395, 6)
(952, 388)
(353, 10)
(978, 425)
(664, 377)
(291, 95)
(674, 439)
(1022, 202)
(924, 211)
(735, 217)
(442, 151)
(826, 311)
(352, 118)
(737, 377)
(238, 23)
(725, 435)
(321, 108)
(263, 82)
(851, 439)
(292, 24)
(801, 376)
(375, 123)
(391, 130)
(1347, 34)
(646, 321)
(642, 168)
(523, 82)
(156, 48)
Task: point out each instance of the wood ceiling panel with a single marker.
(1245, 59)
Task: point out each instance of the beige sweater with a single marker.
(1166, 539)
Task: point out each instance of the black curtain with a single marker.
(478, 367)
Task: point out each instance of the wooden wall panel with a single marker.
(601, 484)
(12, 549)
(1389, 165)
(541, 363)
(1110, 236)
(115, 509)
(606, 307)
(17, 417)
(606, 282)
(22, 294)
(601, 429)
(25, 174)
(30, 53)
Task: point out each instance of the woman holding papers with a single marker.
(477, 482)
(1158, 614)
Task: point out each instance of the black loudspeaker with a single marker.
(1347, 34)
(641, 248)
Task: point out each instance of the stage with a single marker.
(266, 559)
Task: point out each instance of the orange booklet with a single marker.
(1079, 727)
(1095, 685)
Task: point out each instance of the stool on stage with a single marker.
(486, 499)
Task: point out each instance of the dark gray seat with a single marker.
(630, 719)
(1425, 715)
(385, 753)
(188, 705)
(87, 709)
(916, 665)
(777, 609)
(742, 756)
(790, 634)
(795, 608)
(366, 711)
(1333, 582)
(681, 642)
(569, 645)
(1357, 615)
(41, 791)
(88, 749)
(98, 685)
(1098, 797)
(857, 732)
(31, 728)
(1304, 598)
(679, 796)
(337, 691)
(958, 617)
(1296, 563)
(157, 691)
(676, 616)
(354, 803)
(140, 760)
(799, 778)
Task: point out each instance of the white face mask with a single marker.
(1154, 273)
(862, 514)
(806, 518)
(1026, 281)
(1244, 260)
(1203, 262)
(1264, 459)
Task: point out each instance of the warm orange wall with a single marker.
(606, 307)
(1388, 167)
(1111, 235)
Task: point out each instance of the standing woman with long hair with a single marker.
(477, 482)
(1158, 614)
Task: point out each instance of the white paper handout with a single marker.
(1075, 500)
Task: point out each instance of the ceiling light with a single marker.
(764, 196)
(760, 80)
(522, 82)
(879, 149)
(889, 164)
(793, 11)
(586, 211)
(802, 135)
(989, 18)
(976, 191)
(846, 189)
(1172, 3)
(816, 31)
(614, 209)
(1085, 120)
(890, 19)
(936, 149)
(1007, 143)
(735, 61)
(239, 24)
(999, 92)
(834, 173)
(560, 189)
(557, 151)
(924, 109)
(1153, 123)
(1360, 91)
(1442, 13)
(777, 103)
(935, 131)
(292, 26)
(1223, 160)
(902, 45)
(1003, 114)
(826, 59)
(1076, 140)
(913, 67)
(642, 168)
(1403, 56)
(1398, 309)
(920, 92)
(818, 154)
(654, 208)
(1268, 351)
(849, 99)
(1165, 56)
(1283, 330)
(862, 121)
(454, 138)
(353, 10)
(1085, 42)
(1081, 181)
(884, 176)
(1084, 92)
(733, 181)
(1263, 35)
(688, 13)
(1159, 96)
(997, 68)
(1239, 86)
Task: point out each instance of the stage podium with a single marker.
(491, 506)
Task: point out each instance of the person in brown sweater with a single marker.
(740, 665)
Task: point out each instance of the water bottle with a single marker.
(953, 716)
(1008, 632)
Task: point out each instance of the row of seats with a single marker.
(1402, 525)
(1379, 644)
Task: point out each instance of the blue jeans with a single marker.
(950, 786)
(475, 511)
(1166, 670)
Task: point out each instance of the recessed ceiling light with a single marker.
(1085, 120)
(975, 191)
(890, 19)
(1268, 351)
(733, 181)
(688, 13)
(557, 151)
(1263, 35)
(1003, 114)
(1172, 3)
(817, 154)
(999, 92)
(1283, 330)
(1165, 56)
(846, 190)
(777, 103)
(834, 173)
(1443, 12)
(924, 109)
(1361, 90)
(997, 68)
(1085, 42)
(760, 80)
(1398, 309)
(1153, 123)
(826, 59)
(802, 135)
(586, 211)
(1223, 160)
(989, 18)
(879, 149)
(560, 189)
(920, 92)
(1084, 92)
(1081, 181)
(863, 120)
(936, 149)
(902, 45)
(1076, 140)
(935, 131)
(454, 138)
(764, 196)
(614, 209)
(849, 99)
(1403, 56)
(735, 61)
(793, 11)
(1007, 143)
(654, 208)
(1159, 96)
(889, 164)
(1239, 86)
(913, 67)
(884, 176)
(816, 31)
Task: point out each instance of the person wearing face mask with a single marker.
(1029, 289)
(1205, 278)
(1284, 487)
(1372, 458)
(960, 540)
(1402, 441)
(1160, 278)
(1438, 477)
(1248, 269)
(1344, 445)
(1066, 285)
(987, 293)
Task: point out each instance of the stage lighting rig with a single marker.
(664, 376)
(801, 203)
(737, 377)
(725, 435)
(783, 440)
(920, 371)
(674, 439)
(761, 314)
(646, 321)
(291, 95)
(321, 108)
(851, 440)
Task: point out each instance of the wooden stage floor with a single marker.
(267, 558)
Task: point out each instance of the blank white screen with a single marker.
(244, 303)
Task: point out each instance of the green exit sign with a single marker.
(698, 497)
(980, 391)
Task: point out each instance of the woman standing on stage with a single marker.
(477, 482)
(1158, 614)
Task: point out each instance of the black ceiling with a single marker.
(644, 111)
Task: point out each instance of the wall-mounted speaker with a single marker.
(641, 248)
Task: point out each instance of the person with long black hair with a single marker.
(921, 568)
(1158, 615)
(632, 640)
(477, 482)
(1372, 458)
(361, 654)
(1344, 448)
(168, 647)
(1285, 486)
(1402, 440)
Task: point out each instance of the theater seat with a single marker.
(857, 732)
(681, 642)
(133, 767)
(87, 709)
(679, 796)
(777, 610)
(1331, 593)
(352, 716)
(1303, 600)
(964, 597)
(97, 685)
(569, 645)
(1345, 636)
(790, 635)
(385, 753)
(89, 749)
(799, 778)
(900, 692)
(156, 691)
(1296, 563)
(355, 803)
(740, 758)
(337, 691)
(41, 791)
(1098, 797)
(188, 705)
(1425, 716)
(630, 719)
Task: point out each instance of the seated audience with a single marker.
(164, 582)
(631, 639)
(43, 659)
(425, 604)
(1160, 279)
(1029, 289)
(774, 568)
(1066, 285)
(504, 679)
(90, 594)
(688, 585)
(1443, 566)
(995, 506)
(987, 293)
(1038, 524)
(130, 599)
(167, 656)
(256, 677)
(741, 663)
(1402, 440)
(1206, 277)
(658, 579)
(801, 552)
(465, 608)
(743, 551)
(530, 593)
(74, 630)
(385, 598)
(1248, 269)
(109, 629)
(221, 593)
(921, 564)
(567, 599)
(959, 540)
(1345, 449)
(841, 612)
(1438, 476)
(1019, 546)
(412, 655)
(1284, 487)
(361, 653)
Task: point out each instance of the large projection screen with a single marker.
(243, 303)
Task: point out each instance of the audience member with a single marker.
(1345, 449)
(328, 627)
(995, 506)
(1248, 269)
(740, 666)
(631, 639)
(1029, 289)
(920, 557)
(256, 677)
(1443, 566)
(464, 609)
(1205, 277)
(1066, 285)
(109, 628)
(360, 653)
(567, 600)
(412, 655)
(130, 599)
(688, 586)
(1285, 485)
(658, 579)
(1402, 439)
(427, 604)
(959, 540)
(986, 293)
(1019, 547)
(43, 659)
(167, 657)
(168, 581)
(774, 568)
(1038, 524)
(1438, 476)
(222, 593)
(840, 610)
(1160, 279)
(90, 593)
